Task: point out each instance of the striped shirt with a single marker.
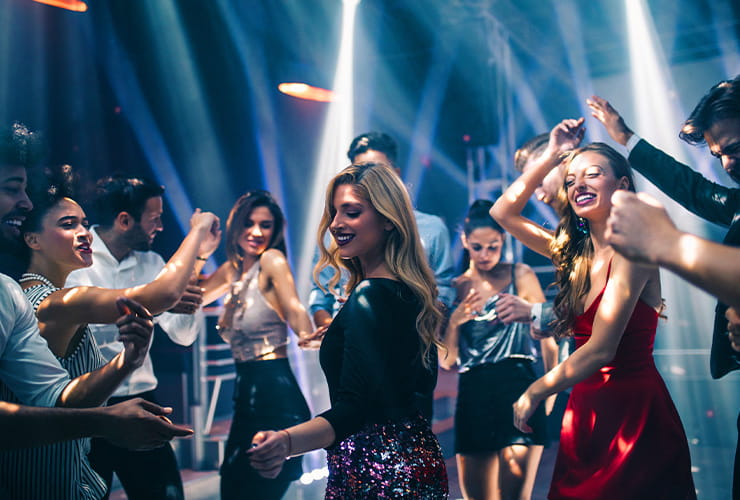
(58, 471)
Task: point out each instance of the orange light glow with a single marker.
(73, 5)
(305, 91)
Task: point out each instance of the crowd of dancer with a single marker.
(78, 305)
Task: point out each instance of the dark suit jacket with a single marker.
(711, 201)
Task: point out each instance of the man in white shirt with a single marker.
(129, 212)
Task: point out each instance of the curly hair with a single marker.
(21, 146)
(403, 254)
(571, 247)
(45, 192)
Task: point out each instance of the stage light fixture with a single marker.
(73, 5)
(306, 91)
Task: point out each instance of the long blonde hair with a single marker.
(403, 254)
(572, 249)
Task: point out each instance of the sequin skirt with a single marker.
(397, 459)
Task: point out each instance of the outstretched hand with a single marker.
(610, 118)
(313, 340)
(138, 424)
(135, 327)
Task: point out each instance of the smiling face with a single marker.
(484, 244)
(257, 234)
(723, 139)
(590, 183)
(358, 228)
(14, 204)
(64, 237)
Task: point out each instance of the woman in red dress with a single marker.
(621, 435)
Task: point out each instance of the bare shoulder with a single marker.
(522, 270)
(273, 261)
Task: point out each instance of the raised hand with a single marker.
(138, 424)
(566, 135)
(206, 220)
(610, 118)
(135, 327)
(468, 308)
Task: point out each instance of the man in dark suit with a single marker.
(715, 121)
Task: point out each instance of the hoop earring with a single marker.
(582, 225)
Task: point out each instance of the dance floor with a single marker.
(711, 457)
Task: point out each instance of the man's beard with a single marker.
(137, 239)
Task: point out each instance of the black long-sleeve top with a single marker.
(371, 358)
(711, 201)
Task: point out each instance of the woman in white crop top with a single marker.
(261, 301)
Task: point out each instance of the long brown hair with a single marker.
(404, 255)
(237, 221)
(572, 249)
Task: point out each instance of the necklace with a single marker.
(37, 277)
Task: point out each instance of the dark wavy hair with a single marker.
(46, 191)
(478, 216)
(237, 221)
(572, 250)
(119, 193)
(21, 146)
(377, 141)
(721, 102)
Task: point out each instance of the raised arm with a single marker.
(509, 207)
(640, 228)
(86, 304)
(625, 285)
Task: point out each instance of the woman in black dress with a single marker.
(378, 354)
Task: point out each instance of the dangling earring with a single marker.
(582, 225)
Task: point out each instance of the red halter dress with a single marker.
(621, 435)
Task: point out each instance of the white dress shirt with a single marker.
(137, 268)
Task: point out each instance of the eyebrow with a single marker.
(351, 205)
(71, 218)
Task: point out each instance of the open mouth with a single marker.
(84, 248)
(14, 222)
(583, 198)
(343, 239)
